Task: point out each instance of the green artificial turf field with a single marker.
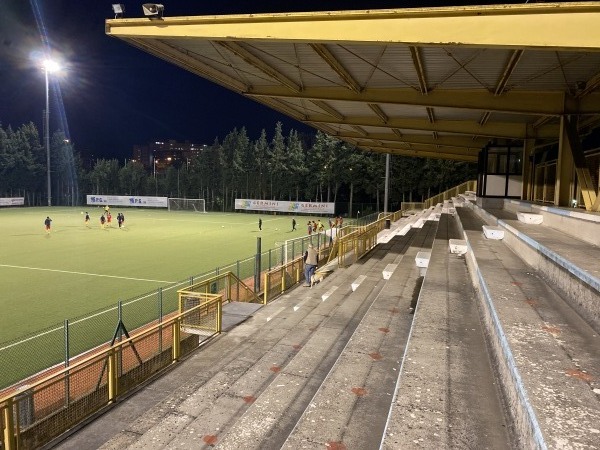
(74, 270)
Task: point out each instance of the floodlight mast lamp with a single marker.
(119, 10)
(48, 67)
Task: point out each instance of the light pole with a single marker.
(49, 66)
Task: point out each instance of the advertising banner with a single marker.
(128, 200)
(12, 201)
(283, 206)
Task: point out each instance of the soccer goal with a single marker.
(187, 204)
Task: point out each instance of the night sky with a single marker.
(116, 96)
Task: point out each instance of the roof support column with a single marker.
(572, 145)
(387, 183)
(563, 192)
(528, 149)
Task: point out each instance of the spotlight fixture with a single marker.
(119, 10)
(153, 10)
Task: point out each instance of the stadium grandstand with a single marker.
(471, 320)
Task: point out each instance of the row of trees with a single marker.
(283, 167)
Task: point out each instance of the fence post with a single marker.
(270, 259)
(112, 375)
(237, 283)
(176, 339)
(266, 292)
(219, 315)
(120, 327)
(67, 353)
(160, 318)
(228, 287)
(257, 266)
(283, 274)
(8, 425)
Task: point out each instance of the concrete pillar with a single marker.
(563, 192)
(527, 187)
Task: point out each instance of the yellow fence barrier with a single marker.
(65, 396)
(278, 280)
(226, 284)
(358, 242)
(352, 241)
(470, 185)
(453, 192)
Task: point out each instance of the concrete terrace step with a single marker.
(272, 416)
(208, 373)
(582, 225)
(350, 407)
(569, 263)
(548, 357)
(446, 395)
(223, 379)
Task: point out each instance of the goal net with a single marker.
(187, 204)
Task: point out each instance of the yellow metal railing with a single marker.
(354, 245)
(412, 206)
(64, 397)
(278, 280)
(226, 284)
(453, 192)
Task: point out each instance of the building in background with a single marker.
(160, 155)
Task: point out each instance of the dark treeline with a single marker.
(281, 166)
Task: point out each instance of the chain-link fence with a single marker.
(55, 346)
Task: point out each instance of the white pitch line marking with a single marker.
(277, 311)
(85, 273)
(326, 295)
(114, 308)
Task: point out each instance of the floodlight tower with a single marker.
(48, 67)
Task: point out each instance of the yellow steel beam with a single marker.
(553, 103)
(328, 109)
(189, 62)
(419, 68)
(508, 70)
(586, 183)
(430, 114)
(379, 112)
(506, 130)
(531, 26)
(563, 184)
(284, 108)
(337, 67)
(448, 150)
(442, 141)
(591, 85)
(239, 50)
(359, 130)
(424, 153)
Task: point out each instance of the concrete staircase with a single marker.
(492, 357)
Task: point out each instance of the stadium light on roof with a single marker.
(118, 9)
(153, 11)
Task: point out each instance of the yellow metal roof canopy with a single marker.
(430, 82)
